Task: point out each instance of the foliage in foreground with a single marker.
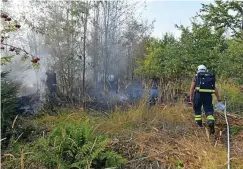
(164, 135)
(9, 101)
(70, 145)
(233, 94)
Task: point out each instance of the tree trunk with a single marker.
(106, 22)
(84, 56)
(95, 45)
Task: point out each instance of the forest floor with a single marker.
(163, 137)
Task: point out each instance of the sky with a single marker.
(169, 13)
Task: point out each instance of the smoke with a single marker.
(21, 71)
(31, 80)
(116, 93)
(117, 56)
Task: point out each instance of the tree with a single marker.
(85, 18)
(87, 41)
(111, 48)
(134, 34)
(9, 25)
(230, 63)
(224, 14)
(10, 88)
(201, 45)
(60, 25)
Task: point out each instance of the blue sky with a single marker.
(169, 13)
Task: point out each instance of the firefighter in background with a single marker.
(154, 93)
(112, 84)
(202, 88)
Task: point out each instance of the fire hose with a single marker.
(222, 107)
(228, 136)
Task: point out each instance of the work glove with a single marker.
(220, 106)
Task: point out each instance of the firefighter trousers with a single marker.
(205, 100)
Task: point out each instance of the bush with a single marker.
(231, 92)
(9, 102)
(74, 145)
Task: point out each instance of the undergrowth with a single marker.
(70, 145)
(163, 136)
(233, 94)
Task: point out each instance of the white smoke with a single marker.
(22, 72)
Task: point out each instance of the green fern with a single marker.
(74, 145)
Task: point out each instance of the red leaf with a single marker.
(17, 26)
(8, 19)
(4, 15)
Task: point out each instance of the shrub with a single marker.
(231, 92)
(9, 102)
(74, 145)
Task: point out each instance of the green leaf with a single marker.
(35, 65)
(6, 59)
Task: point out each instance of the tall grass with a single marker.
(231, 92)
(165, 134)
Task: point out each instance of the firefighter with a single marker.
(111, 83)
(154, 92)
(201, 90)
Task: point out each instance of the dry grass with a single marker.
(237, 150)
(164, 136)
(50, 121)
(167, 134)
